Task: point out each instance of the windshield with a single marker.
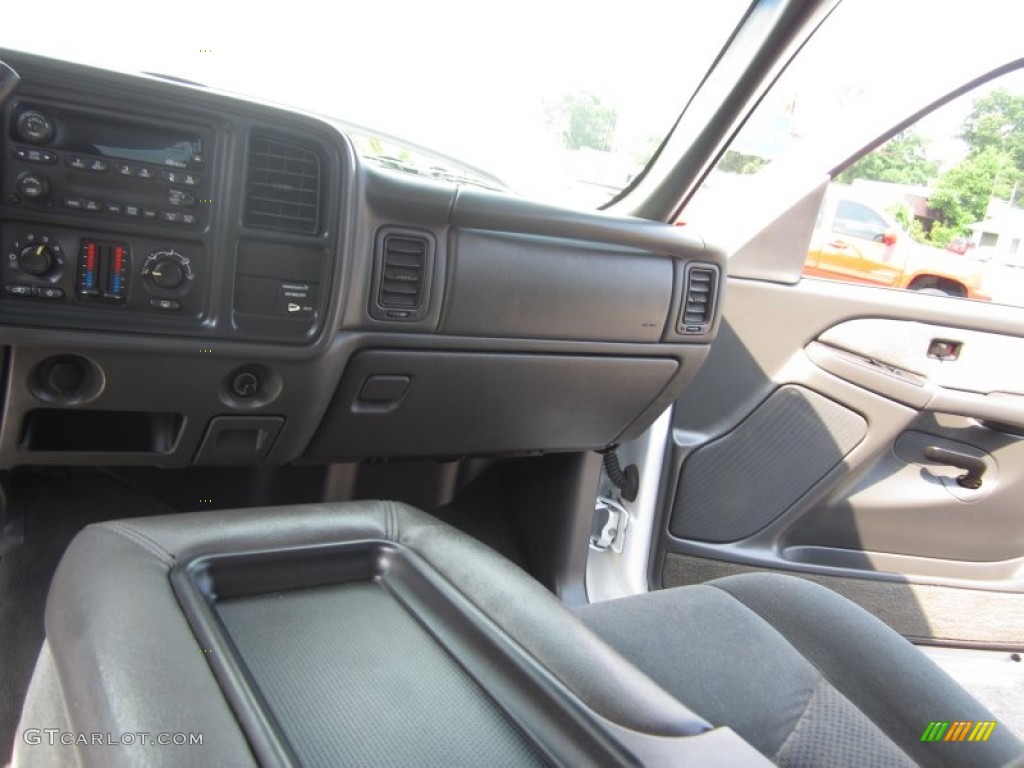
(563, 101)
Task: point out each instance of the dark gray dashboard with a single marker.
(194, 278)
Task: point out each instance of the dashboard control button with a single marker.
(93, 205)
(191, 180)
(188, 218)
(115, 208)
(126, 169)
(167, 305)
(36, 155)
(172, 216)
(97, 166)
(173, 177)
(75, 203)
(16, 289)
(77, 162)
(47, 292)
(34, 186)
(133, 211)
(34, 127)
(148, 213)
(146, 173)
(181, 198)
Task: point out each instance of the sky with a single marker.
(475, 79)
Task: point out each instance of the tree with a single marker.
(996, 121)
(901, 160)
(583, 120)
(737, 162)
(962, 194)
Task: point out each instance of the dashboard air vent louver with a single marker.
(401, 282)
(699, 303)
(283, 186)
(403, 267)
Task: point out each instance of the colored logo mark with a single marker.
(958, 730)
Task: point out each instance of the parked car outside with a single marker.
(855, 240)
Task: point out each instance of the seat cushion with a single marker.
(804, 675)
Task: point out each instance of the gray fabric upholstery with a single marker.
(801, 673)
(127, 660)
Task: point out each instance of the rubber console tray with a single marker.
(362, 654)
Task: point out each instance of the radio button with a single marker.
(97, 166)
(146, 173)
(76, 161)
(93, 205)
(114, 208)
(188, 218)
(181, 198)
(15, 289)
(132, 210)
(173, 217)
(36, 155)
(169, 305)
(75, 203)
(126, 169)
(191, 180)
(148, 213)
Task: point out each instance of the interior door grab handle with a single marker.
(975, 467)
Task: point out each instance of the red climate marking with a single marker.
(90, 257)
(118, 256)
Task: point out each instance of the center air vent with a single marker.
(699, 303)
(403, 275)
(283, 186)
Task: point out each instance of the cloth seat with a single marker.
(803, 674)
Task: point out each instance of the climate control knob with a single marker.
(36, 259)
(167, 270)
(167, 274)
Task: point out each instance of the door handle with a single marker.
(975, 467)
(838, 244)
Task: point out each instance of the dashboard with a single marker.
(191, 278)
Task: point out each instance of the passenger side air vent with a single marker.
(283, 186)
(699, 302)
(403, 266)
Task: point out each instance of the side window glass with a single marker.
(856, 220)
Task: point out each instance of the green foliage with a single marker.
(583, 120)
(962, 194)
(994, 166)
(905, 217)
(996, 122)
(737, 162)
(901, 160)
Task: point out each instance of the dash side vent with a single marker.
(699, 301)
(282, 186)
(404, 263)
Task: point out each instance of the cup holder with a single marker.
(67, 380)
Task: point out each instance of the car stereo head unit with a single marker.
(102, 137)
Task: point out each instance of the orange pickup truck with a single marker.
(855, 241)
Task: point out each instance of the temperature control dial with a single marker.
(35, 255)
(36, 259)
(168, 270)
